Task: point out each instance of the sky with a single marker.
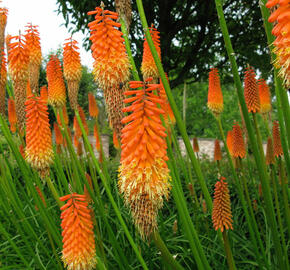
(42, 13)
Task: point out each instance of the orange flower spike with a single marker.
(215, 96)
(35, 56)
(116, 141)
(57, 134)
(56, 86)
(143, 173)
(221, 213)
(12, 115)
(79, 250)
(93, 107)
(3, 80)
(265, 97)
(3, 22)
(251, 91)
(44, 93)
(22, 150)
(230, 141)
(97, 137)
(195, 145)
(77, 128)
(278, 150)
(72, 70)
(65, 116)
(239, 150)
(39, 152)
(18, 69)
(217, 151)
(148, 66)
(280, 16)
(111, 65)
(83, 119)
(270, 159)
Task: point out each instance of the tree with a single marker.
(191, 41)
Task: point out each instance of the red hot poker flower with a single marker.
(79, 250)
(215, 96)
(222, 214)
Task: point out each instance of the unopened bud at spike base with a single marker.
(72, 70)
(34, 52)
(143, 173)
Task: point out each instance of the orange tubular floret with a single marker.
(148, 66)
(215, 96)
(221, 213)
(44, 93)
(265, 97)
(277, 146)
(77, 236)
(93, 107)
(143, 174)
(239, 150)
(3, 80)
(56, 86)
(38, 134)
(251, 91)
(111, 65)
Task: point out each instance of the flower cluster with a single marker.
(143, 173)
(281, 31)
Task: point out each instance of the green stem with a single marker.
(54, 192)
(259, 159)
(284, 187)
(174, 108)
(229, 255)
(165, 252)
(128, 48)
(273, 176)
(252, 225)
